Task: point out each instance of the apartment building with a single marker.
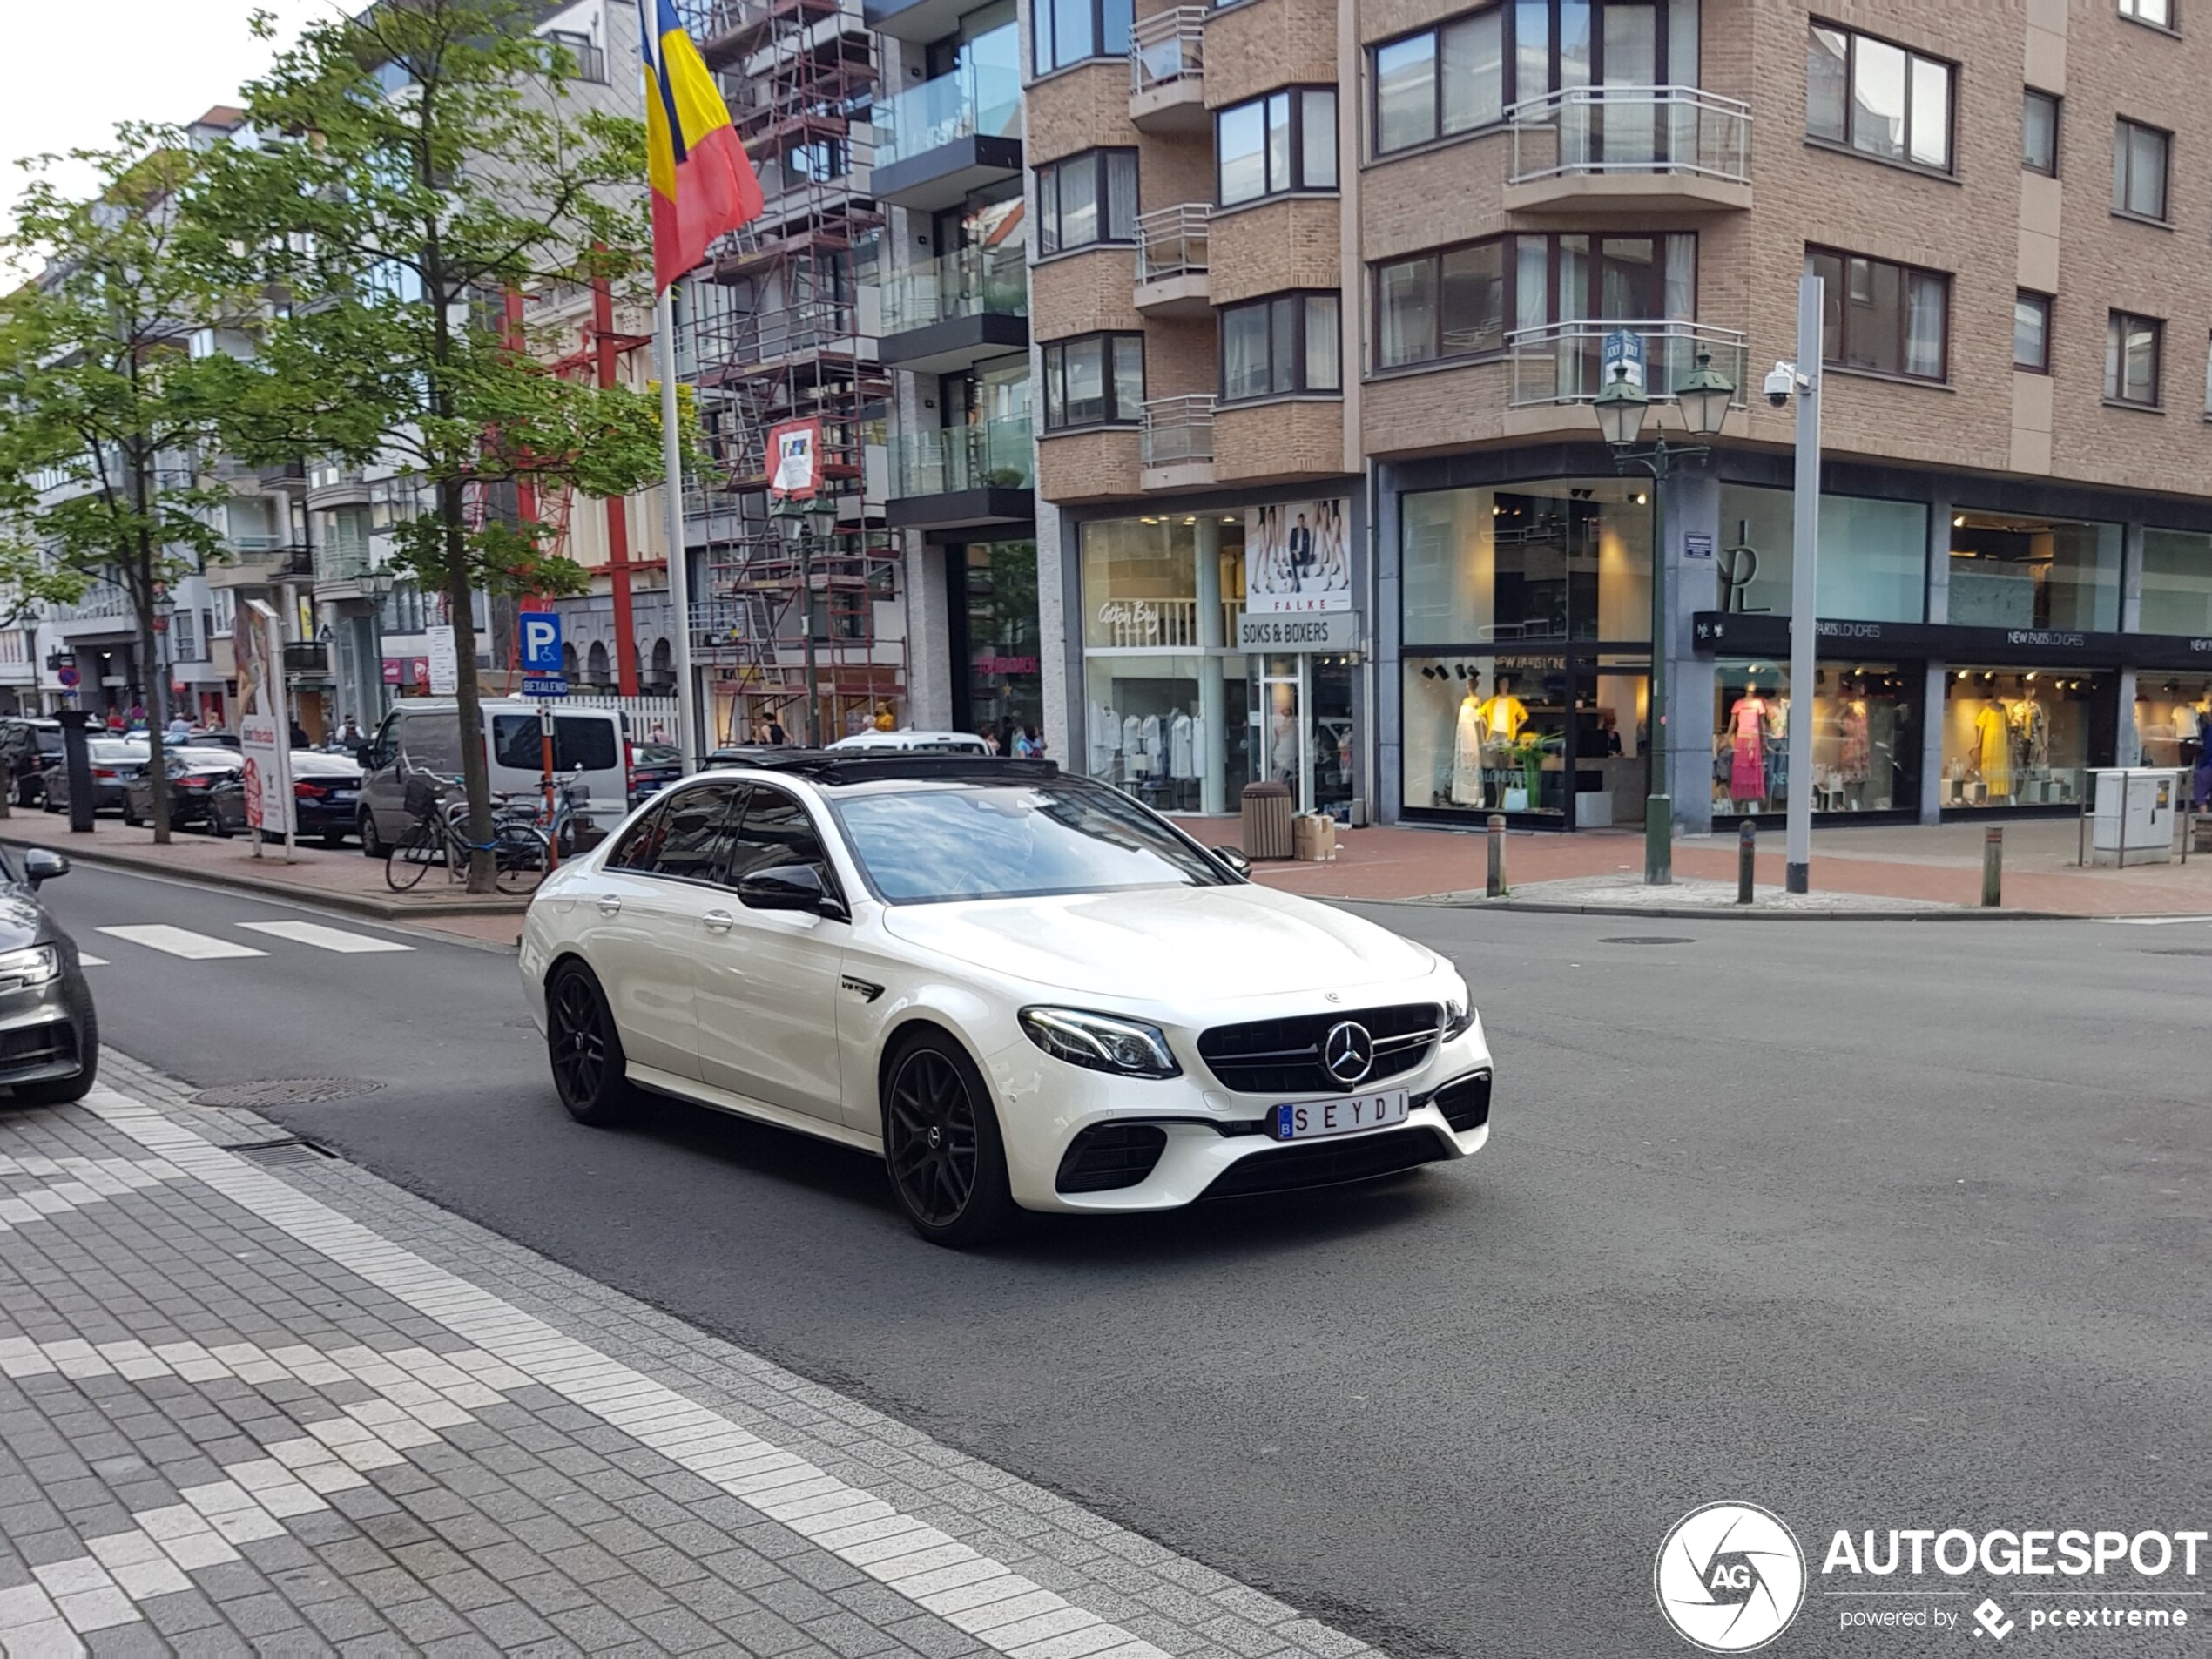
(1317, 303)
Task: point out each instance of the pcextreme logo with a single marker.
(1730, 1577)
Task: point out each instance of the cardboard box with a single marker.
(1313, 838)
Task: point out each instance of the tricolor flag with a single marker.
(702, 182)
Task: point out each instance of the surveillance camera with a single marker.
(1781, 380)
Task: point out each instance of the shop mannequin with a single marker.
(1504, 714)
(2028, 720)
(1469, 734)
(2201, 781)
(1747, 724)
(1995, 730)
(1855, 763)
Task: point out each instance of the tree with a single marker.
(104, 409)
(415, 167)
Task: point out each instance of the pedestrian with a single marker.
(990, 740)
(1029, 745)
(115, 722)
(178, 729)
(299, 736)
(885, 720)
(777, 737)
(350, 737)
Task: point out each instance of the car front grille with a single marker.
(1323, 1163)
(1109, 1156)
(1465, 1102)
(1284, 1056)
(32, 1047)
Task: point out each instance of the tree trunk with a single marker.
(475, 771)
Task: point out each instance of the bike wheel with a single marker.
(518, 857)
(416, 850)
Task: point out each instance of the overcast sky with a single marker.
(74, 68)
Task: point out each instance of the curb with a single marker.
(1750, 912)
(355, 903)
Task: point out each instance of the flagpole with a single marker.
(679, 584)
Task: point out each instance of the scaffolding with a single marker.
(779, 324)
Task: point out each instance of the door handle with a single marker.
(609, 905)
(720, 921)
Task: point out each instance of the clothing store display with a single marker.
(2201, 782)
(1471, 733)
(1183, 747)
(1995, 728)
(1503, 715)
(1857, 764)
(1156, 751)
(1132, 748)
(1747, 724)
(1105, 740)
(2034, 731)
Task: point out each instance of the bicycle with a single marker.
(436, 834)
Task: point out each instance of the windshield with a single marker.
(930, 843)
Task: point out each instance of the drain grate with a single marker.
(1647, 939)
(285, 1091)
(279, 1152)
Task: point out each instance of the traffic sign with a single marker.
(541, 642)
(545, 685)
(1624, 351)
(68, 676)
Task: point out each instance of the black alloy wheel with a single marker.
(940, 1139)
(585, 1049)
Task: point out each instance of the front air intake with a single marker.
(1109, 1156)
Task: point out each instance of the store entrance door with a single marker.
(1281, 744)
(1304, 731)
(1332, 779)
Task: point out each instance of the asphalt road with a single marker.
(1877, 1225)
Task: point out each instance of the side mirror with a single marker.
(789, 887)
(44, 864)
(1235, 859)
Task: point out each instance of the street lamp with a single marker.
(1703, 397)
(803, 520)
(380, 583)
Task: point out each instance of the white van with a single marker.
(423, 735)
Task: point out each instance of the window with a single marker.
(691, 834)
(1887, 318)
(1879, 99)
(2131, 359)
(1442, 81)
(1087, 199)
(1286, 344)
(2139, 161)
(2032, 331)
(1067, 31)
(1094, 380)
(777, 831)
(2159, 12)
(1283, 142)
(2040, 132)
(1461, 301)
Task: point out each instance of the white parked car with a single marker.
(912, 742)
(1021, 989)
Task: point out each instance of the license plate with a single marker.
(341, 794)
(1313, 1120)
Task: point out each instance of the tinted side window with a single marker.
(695, 833)
(388, 740)
(516, 742)
(432, 742)
(582, 742)
(777, 831)
(638, 849)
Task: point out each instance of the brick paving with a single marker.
(253, 1399)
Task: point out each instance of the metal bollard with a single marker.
(1747, 841)
(1495, 887)
(1992, 867)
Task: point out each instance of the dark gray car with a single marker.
(50, 1037)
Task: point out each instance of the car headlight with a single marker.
(19, 969)
(1459, 1014)
(1103, 1043)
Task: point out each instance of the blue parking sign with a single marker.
(541, 642)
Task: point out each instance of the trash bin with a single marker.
(1267, 820)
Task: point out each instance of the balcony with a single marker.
(1563, 363)
(258, 562)
(955, 310)
(1171, 279)
(936, 141)
(286, 476)
(1162, 623)
(1167, 71)
(958, 476)
(919, 22)
(1176, 447)
(330, 486)
(1629, 150)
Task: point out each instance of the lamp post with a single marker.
(1703, 397)
(795, 515)
(380, 583)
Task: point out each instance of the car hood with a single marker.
(22, 919)
(1165, 944)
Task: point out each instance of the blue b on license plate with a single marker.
(1308, 1120)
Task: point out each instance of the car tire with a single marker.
(941, 1145)
(372, 843)
(584, 1048)
(131, 819)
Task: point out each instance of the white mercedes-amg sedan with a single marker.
(1020, 989)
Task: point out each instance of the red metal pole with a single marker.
(603, 342)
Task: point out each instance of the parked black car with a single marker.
(28, 746)
(49, 1037)
(115, 762)
(194, 775)
(653, 766)
(326, 797)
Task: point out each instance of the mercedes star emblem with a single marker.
(1348, 1052)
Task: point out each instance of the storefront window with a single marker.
(1865, 738)
(2022, 737)
(1005, 692)
(2174, 720)
(1141, 583)
(1564, 558)
(2013, 572)
(1147, 719)
(1873, 556)
(1487, 733)
(2177, 583)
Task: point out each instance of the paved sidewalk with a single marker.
(254, 1399)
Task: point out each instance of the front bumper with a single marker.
(1215, 1145)
(46, 1031)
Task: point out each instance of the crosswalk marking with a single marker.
(91, 962)
(181, 941)
(313, 933)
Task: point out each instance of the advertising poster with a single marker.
(445, 660)
(265, 725)
(794, 461)
(1297, 558)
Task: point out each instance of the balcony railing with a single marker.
(1171, 241)
(101, 599)
(1563, 363)
(968, 283)
(1166, 48)
(979, 101)
(940, 460)
(342, 564)
(1178, 431)
(1172, 624)
(1631, 130)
